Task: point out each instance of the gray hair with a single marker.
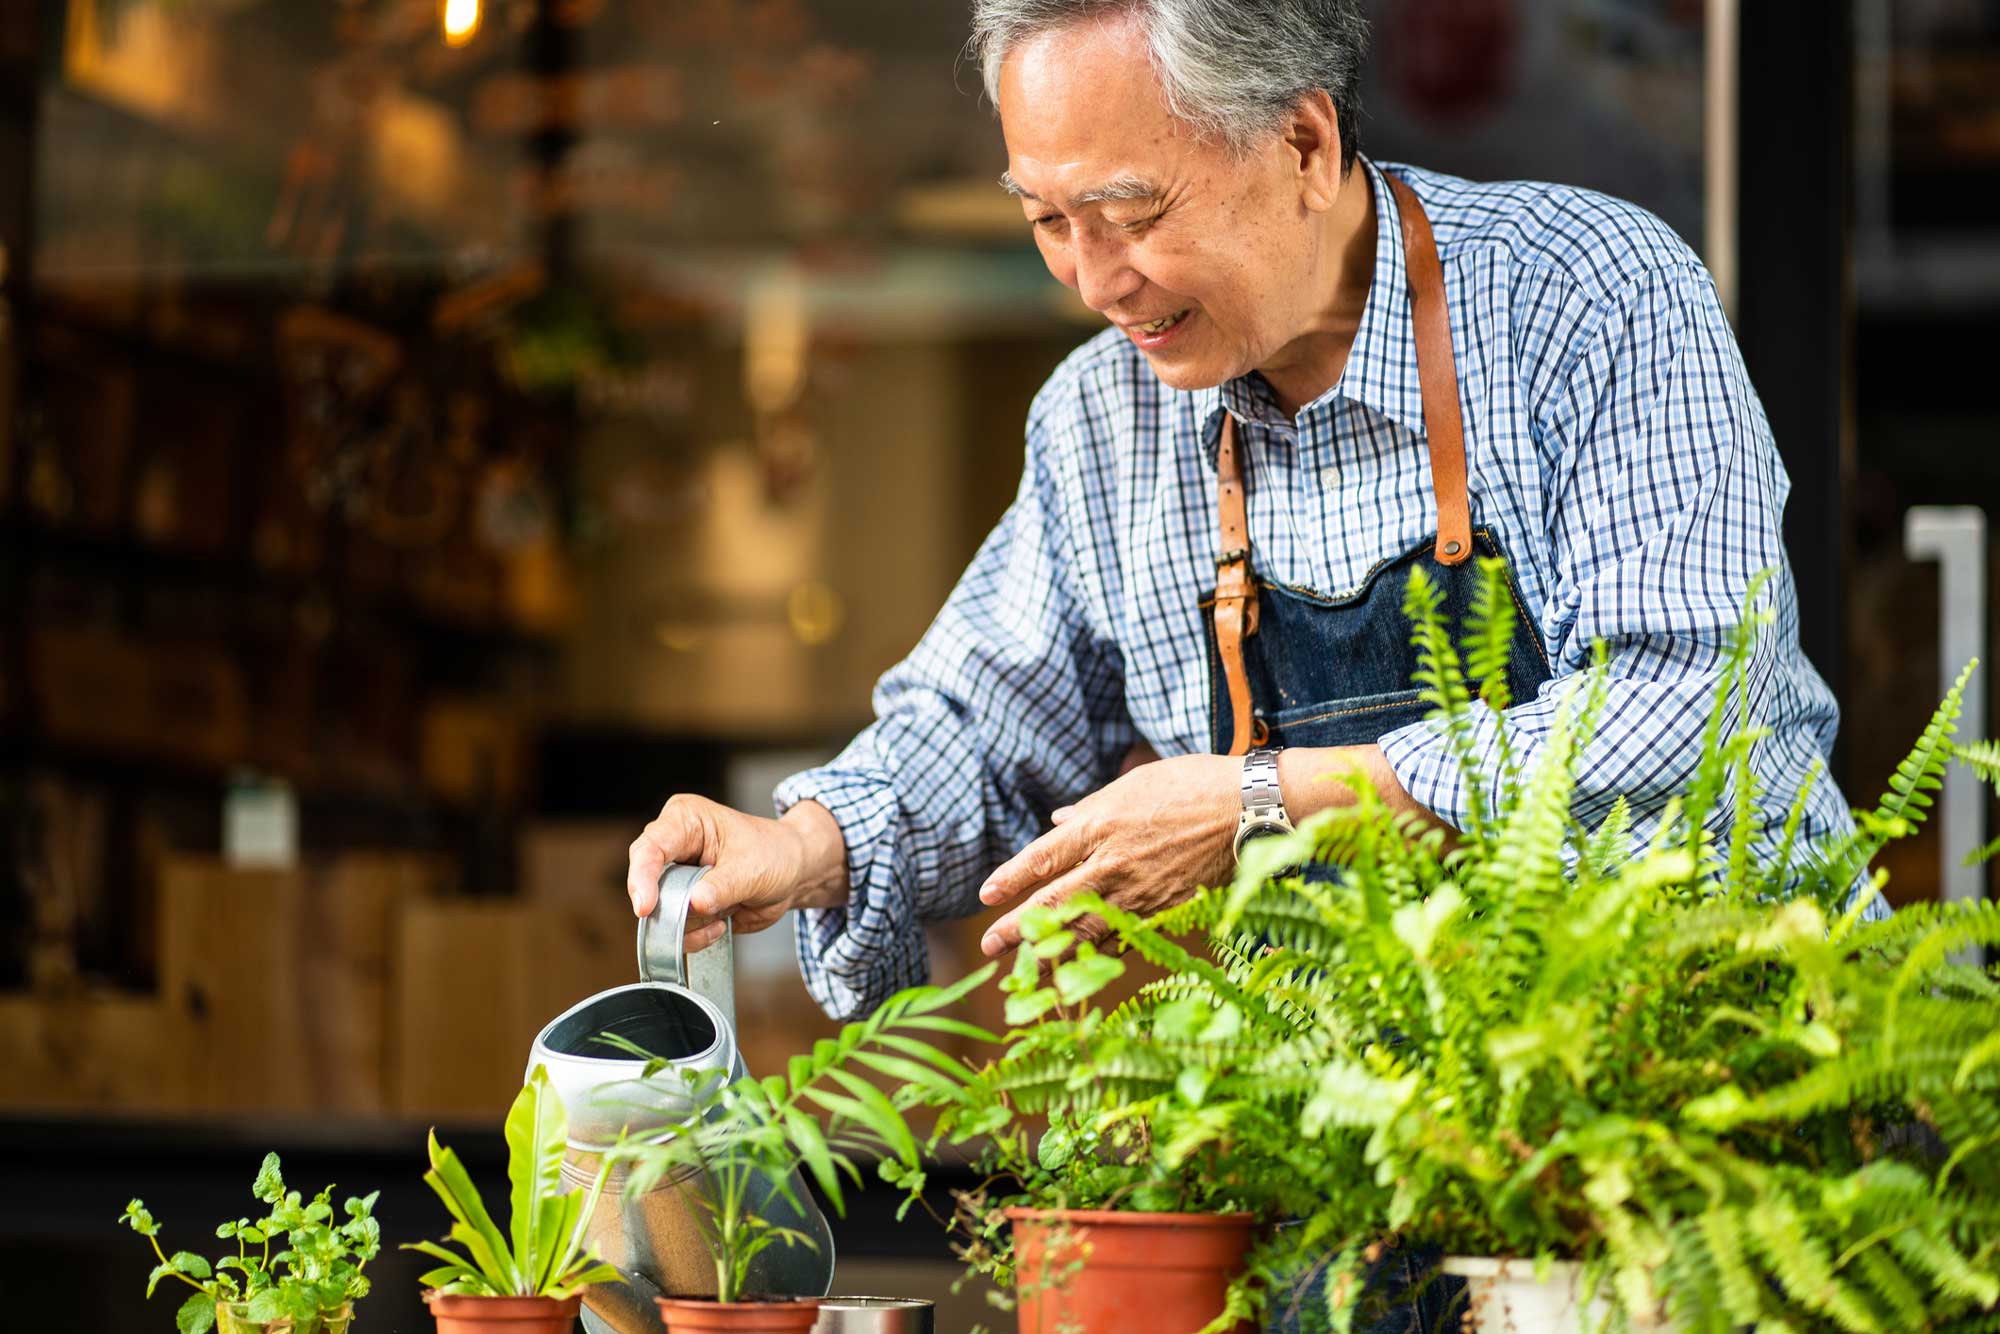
(1232, 69)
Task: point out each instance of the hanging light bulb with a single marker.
(460, 19)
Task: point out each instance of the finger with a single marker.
(700, 938)
(1061, 813)
(1036, 865)
(674, 835)
(1005, 934)
(642, 874)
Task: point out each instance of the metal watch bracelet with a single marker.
(1263, 799)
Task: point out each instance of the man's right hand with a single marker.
(760, 869)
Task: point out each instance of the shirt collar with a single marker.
(1381, 370)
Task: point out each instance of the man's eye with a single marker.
(1049, 222)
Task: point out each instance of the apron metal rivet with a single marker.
(1451, 548)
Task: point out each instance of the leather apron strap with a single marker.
(1444, 431)
(1437, 376)
(1235, 591)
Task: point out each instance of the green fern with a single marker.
(1667, 1047)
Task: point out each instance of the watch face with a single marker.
(1259, 828)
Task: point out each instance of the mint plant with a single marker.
(315, 1272)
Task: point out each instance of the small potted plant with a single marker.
(308, 1287)
(743, 1140)
(1142, 1149)
(527, 1280)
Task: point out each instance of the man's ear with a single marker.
(1312, 147)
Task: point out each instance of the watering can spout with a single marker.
(663, 955)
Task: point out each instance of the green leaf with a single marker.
(807, 1139)
(537, 1133)
(946, 1063)
(1030, 1006)
(937, 998)
(197, 1314)
(910, 1072)
(1052, 946)
(958, 1028)
(557, 1221)
(270, 1183)
(882, 1116)
(1039, 921)
(1087, 974)
(451, 1183)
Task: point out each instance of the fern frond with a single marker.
(1489, 635)
(1982, 757)
(1440, 676)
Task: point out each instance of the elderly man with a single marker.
(1321, 372)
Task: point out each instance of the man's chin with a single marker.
(1186, 374)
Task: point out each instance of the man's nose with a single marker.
(1104, 277)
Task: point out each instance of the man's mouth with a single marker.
(1160, 326)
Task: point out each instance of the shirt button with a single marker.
(1329, 478)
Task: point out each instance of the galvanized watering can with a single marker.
(683, 1009)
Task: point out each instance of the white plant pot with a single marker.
(1505, 1297)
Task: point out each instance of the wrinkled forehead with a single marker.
(1085, 117)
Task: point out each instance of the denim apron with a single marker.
(1337, 669)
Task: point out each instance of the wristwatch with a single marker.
(1263, 803)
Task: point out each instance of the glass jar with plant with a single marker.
(743, 1140)
(1679, 1080)
(527, 1280)
(308, 1286)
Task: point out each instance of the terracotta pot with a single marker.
(775, 1315)
(1106, 1272)
(460, 1314)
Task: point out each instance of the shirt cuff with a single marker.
(1420, 756)
(856, 956)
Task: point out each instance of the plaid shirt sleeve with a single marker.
(1009, 707)
(1667, 500)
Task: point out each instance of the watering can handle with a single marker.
(663, 953)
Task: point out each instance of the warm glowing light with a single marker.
(461, 20)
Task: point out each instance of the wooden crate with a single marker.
(350, 920)
(64, 1053)
(277, 983)
(475, 981)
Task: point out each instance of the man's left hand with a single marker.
(1144, 842)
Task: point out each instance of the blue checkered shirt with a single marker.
(1613, 442)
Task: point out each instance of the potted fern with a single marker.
(528, 1280)
(1670, 1076)
(1135, 1153)
(742, 1141)
(309, 1286)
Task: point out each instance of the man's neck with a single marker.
(1312, 364)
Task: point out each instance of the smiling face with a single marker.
(1214, 264)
